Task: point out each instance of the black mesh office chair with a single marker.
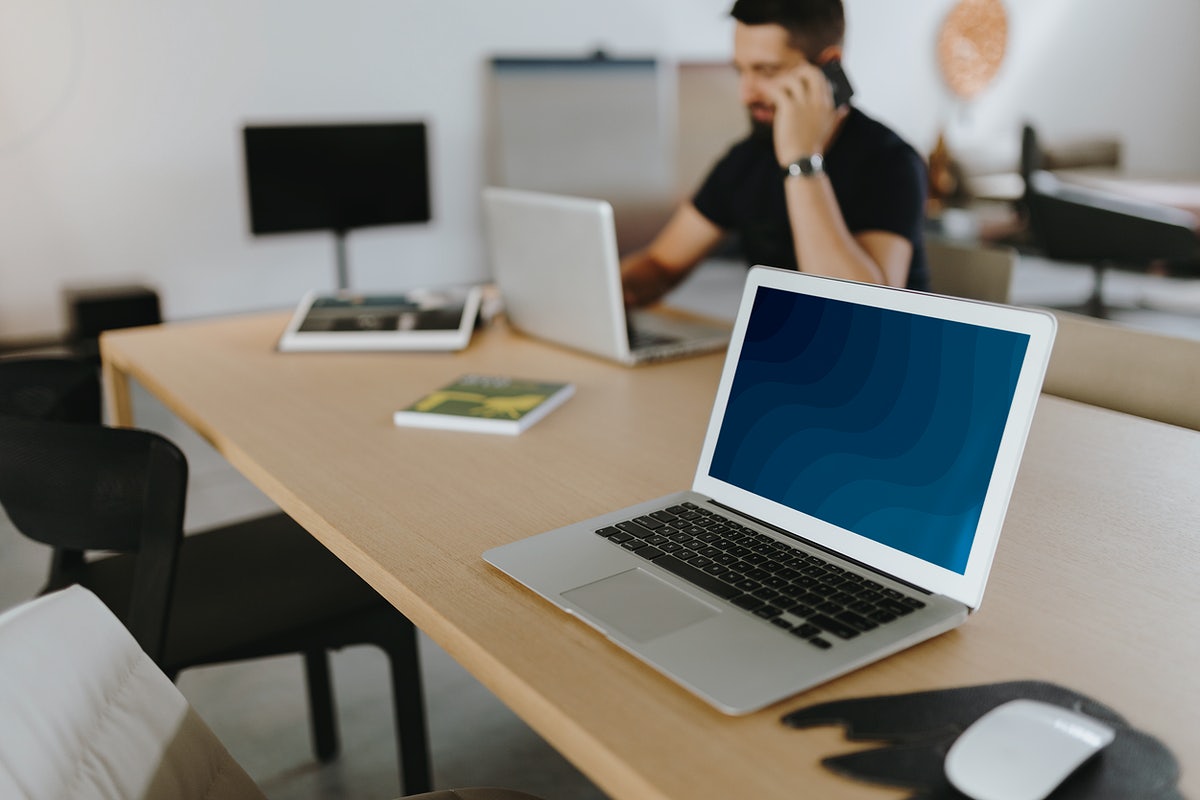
(252, 589)
(65, 389)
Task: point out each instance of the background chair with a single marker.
(65, 389)
(85, 712)
(1104, 230)
(1147, 374)
(972, 271)
(251, 589)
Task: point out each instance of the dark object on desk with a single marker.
(1075, 223)
(917, 730)
(336, 177)
(251, 589)
(94, 310)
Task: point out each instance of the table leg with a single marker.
(117, 403)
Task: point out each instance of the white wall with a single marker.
(1077, 69)
(119, 119)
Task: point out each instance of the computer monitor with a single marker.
(336, 177)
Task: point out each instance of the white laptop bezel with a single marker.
(967, 587)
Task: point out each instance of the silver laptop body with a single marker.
(555, 261)
(862, 449)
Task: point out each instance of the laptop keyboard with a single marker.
(784, 585)
(639, 338)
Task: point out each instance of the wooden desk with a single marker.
(1094, 584)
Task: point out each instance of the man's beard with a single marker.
(761, 131)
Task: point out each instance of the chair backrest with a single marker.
(87, 487)
(65, 389)
(84, 712)
(1032, 157)
(1105, 364)
(972, 271)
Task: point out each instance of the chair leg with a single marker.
(320, 702)
(412, 737)
(1095, 303)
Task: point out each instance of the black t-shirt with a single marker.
(878, 179)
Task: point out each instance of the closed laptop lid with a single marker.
(555, 261)
(883, 424)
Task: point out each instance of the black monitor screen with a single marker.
(336, 177)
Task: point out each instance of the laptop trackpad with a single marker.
(639, 605)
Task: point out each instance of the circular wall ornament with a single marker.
(971, 44)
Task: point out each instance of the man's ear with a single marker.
(831, 53)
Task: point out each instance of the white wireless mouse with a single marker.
(1022, 750)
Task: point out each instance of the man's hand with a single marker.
(805, 116)
(642, 279)
(648, 274)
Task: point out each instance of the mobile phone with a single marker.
(842, 90)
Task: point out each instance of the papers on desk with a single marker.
(416, 319)
(486, 404)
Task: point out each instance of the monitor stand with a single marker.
(343, 271)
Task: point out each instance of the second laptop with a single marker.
(554, 259)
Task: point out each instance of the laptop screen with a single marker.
(876, 421)
(881, 422)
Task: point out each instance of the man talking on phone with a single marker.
(816, 186)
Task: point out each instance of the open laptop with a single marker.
(555, 261)
(850, 492)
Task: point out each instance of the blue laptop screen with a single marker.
(884, 423)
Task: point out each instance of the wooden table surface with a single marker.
(1093, 587)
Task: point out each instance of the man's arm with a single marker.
(648, 274)
(824, 246)
(805, 121)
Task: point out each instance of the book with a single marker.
(415, 319)
(486, 404)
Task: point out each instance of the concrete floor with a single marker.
(258, 708)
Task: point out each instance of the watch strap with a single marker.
(805, 166)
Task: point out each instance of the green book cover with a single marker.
(486, 403)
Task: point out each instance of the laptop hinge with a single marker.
(822, 548)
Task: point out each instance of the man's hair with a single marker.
(812, 25)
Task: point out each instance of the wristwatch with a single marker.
(805, 166)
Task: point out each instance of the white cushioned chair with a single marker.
(85, 713)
